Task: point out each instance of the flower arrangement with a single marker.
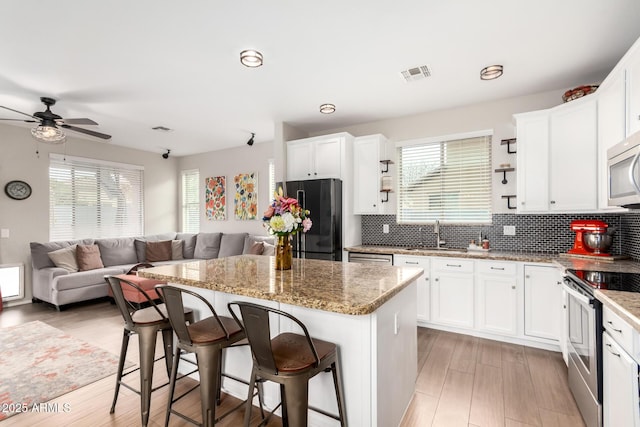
(285, 216)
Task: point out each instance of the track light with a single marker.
(250, 141)
(166, 155)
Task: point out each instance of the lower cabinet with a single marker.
(620, 385)
(542, 302)
(497, 299)
(424, 286)
(452, 293)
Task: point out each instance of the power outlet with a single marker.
(509, 230)
(385, 228)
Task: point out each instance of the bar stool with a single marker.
(146, 323)
(206, 338)
(290, 360)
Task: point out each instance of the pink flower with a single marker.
(306, 224)
(269, 212)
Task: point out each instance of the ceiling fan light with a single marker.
(327, 108)
(491, 72)
(49, 134)
(251, 58)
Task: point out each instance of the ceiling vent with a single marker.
(417, 73)
(162, 129)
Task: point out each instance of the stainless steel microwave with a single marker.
(623, 164)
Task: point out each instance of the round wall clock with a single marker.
(17, 190)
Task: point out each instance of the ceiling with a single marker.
(131, 66)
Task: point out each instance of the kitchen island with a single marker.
(368, 310)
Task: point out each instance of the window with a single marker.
(11, 281)
(447, 179)
(272, 179)
(191, 201)
(93, 198)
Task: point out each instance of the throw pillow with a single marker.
(269, 249)
(65, 258)
(176, 249)
(88, 257)
(158, 251)
(256, 249)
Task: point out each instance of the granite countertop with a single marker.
(340, 287)
(491, 255)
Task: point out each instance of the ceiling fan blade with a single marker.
(83, 121)
(19, 112)
(86, 131)
(21, 120)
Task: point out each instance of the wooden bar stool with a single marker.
(206, 338)
(290, 360)
(146, 323)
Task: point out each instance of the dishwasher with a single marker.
(365, 258)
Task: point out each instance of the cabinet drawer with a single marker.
(621, 332)
(496, 267)
(453, 265)
(411, 261)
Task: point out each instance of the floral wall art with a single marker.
(246, 201)
(215, 197)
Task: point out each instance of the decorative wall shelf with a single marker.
(386, 193)
(508, 143)
(509, 197)
(386, 163)
(504, 171)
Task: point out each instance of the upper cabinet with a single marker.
(370, 164)
(633, 91)
(557, 154)
(317, 158)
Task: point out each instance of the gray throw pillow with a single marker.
(117, 251)
(207, 245)
(189, 246)
(231, 244)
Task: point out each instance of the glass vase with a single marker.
(284, 253)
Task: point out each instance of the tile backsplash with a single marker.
(534, 233)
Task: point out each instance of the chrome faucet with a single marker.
(436, 229)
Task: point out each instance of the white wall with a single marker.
(230, 162)
(496, 115)
(28, 220)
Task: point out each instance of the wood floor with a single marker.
(462, 381)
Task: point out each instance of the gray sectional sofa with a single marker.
(61, 285)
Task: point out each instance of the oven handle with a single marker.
(581, 298)
(632, 175)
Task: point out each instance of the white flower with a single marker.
(289, 222)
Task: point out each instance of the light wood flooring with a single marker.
(462, 381)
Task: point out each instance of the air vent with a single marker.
(417, 73)
(162, 129)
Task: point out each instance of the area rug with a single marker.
(39, 362)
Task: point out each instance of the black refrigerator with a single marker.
(323, 198)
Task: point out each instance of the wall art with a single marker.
(246, 201)
(215, 197)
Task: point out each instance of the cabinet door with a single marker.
(452, 298)
(573, 177)
(633, 94)
(533, 162)
(497, 297)
(366, 176)
(424, 288)
(620, 386)
(327, 156)
(542, 302)
(299, 158)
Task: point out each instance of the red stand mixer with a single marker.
(591, 238)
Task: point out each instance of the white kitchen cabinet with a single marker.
(368, 151)
(497, 302)
(452, 292)
(542, 301)
(532, 131)
(620, 385)
(573, 176)
(316, 158)
(633, 92)
(424, 285)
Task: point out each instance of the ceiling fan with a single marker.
(48, 129)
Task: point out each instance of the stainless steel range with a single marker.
(584, 335)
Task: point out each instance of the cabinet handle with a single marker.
(553, 202)
(308, 174)
(315, 173)
(498, 268)
(436, 279)
(527, 276)
(374, 206)
(611, 350)
(454, 265)
(411, 262)
(426, 279)
(614, 329)
(513, 286)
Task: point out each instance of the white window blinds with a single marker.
(446, 180)
(93, 198)
(190, 201)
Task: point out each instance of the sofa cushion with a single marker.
(65, 258)
(39, 251)
(141, 249)
(88, 257)
(207, 245)
(189, 245)
(231, 244)
(176, 249)
(117, 251)
(82, 279)
(269, 249)
(158, 251)
(252, 238)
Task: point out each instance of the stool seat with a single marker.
(208, 331)
(150, 315)
(291, 352)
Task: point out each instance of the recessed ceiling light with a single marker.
(251, 58)
(327, 108)
(491, 72)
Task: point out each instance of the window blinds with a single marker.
(94, 199)
(445, 180)
(191, 201)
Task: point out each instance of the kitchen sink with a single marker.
(433, 248)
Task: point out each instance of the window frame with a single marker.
(185, 205)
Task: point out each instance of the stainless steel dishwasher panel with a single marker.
(368, 258)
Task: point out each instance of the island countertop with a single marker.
(347, 288)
